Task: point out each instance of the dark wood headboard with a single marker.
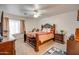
(48, 26)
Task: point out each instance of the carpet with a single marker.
(55, 51)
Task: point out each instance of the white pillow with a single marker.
(48, 29)
(44, 30)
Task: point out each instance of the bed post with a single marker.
(37, 43)
(54, 28)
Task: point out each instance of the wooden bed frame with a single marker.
(36, 39)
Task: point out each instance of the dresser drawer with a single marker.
(59, 37)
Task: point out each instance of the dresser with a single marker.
(7, 46)
(72, 47)
(59, 37)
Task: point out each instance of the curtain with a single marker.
(14, 26)
(22, 26)
(5, 26)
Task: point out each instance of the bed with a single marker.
(38, 38)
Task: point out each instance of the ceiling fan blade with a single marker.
(28, 13)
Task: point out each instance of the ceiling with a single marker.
(45, 10)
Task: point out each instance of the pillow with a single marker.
(46, 30)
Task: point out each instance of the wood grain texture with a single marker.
(37, 43)
(72, 47)
(77, 34)
(59, 37)
(7, 48)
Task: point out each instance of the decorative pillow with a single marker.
(46, 30)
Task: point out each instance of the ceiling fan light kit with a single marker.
(36, 15)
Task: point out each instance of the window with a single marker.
(14, 26)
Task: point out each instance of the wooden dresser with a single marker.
(7, 46)
(72, 47)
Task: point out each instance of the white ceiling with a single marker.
(46, 9)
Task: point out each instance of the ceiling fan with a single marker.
(34, 11)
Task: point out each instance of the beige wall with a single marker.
(30, 24)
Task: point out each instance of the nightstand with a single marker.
(59, 37)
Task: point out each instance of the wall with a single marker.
(30, 24)
(66, 21)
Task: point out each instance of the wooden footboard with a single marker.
(42, 38)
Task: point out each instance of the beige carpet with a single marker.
(25, 49)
